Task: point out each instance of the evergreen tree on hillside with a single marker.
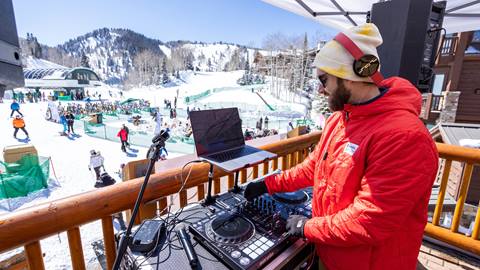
(209, 64)
(247, 64)
(189, 61)
(165, 78)
(85, 62)
(33, 46)
(305, 43)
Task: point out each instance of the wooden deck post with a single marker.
(34, 256)
(76, 250)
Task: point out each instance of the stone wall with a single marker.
(449, 111)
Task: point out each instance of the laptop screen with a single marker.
(216, 130)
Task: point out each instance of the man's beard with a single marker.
(339, 97)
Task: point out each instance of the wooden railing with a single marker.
(448, 46)
(431, 104)
(27, 227)
(469, 157)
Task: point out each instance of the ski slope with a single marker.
(70, 156)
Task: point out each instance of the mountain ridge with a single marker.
(121, 55)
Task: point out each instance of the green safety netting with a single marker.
(129, 101)
(305, 122)
(30, 173)
(80, 116)
(204, 94)
(196, 97)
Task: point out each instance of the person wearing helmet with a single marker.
(372, 170)
(96, 163)
(19, 123)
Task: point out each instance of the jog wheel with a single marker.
(291, 197)
(230, 229)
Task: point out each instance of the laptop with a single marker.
(219, 139)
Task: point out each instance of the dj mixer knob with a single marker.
(278, 227)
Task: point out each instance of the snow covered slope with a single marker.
(32, 62)
(111, 52)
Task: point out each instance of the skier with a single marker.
(266, 122)
(18, 123)
(123, 134)
(15, 107)
(96, 162)
(290, 126)
(158, 120)
(36, 95)
(21, 97)
(63, 121)
(70, 120)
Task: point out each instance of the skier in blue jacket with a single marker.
(63, 121)
(15, 107)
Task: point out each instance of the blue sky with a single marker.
(245, 22)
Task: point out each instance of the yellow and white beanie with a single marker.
(334, 59)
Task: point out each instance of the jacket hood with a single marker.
(401, 95)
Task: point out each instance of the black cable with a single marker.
(171, 220)
(313, 258)
(150, 254)
(182, 181)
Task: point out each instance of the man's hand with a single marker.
(255, 189)
(295, 224)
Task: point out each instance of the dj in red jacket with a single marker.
(373, 168)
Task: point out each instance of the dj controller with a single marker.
(246, 235)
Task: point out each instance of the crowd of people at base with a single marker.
(261, 130)
(78, 95)
(103, 107)
(32, 96)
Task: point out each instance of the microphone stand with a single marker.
(209, 199)
(153, 155)
(236, 188)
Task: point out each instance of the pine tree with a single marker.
(209, 64)
(85, 62)
(247, 65)
(165, 78)
(189, 61)
(305, 43)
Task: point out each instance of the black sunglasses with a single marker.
(323, 79)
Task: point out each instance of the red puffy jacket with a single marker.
(123, 134)
(372, 173)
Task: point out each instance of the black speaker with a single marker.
(11, 72)
(410, 31)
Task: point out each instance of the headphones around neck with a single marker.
(365, 65)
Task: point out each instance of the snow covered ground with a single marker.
(70, 156)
